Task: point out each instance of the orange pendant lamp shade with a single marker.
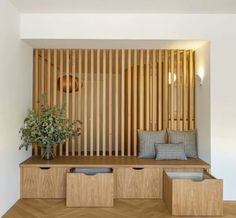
(64, 84)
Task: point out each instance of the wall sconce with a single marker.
(200, 76)
(170, 78)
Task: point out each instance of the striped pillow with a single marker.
(147, 139)
(170, 151)
(187, 137)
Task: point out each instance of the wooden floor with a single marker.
(123, 208)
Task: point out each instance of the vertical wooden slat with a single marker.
(55, 85)
(141, 102)
(67, 94)
(185, 124)
(191, 89)
(61, 88)
(79, 97)
(55, 77)
(159, 89)
(36, 90)
(104, 104)
(178, 91)
(92, 103)
(49, 78)
(194, 90)
(98, 102)
(43, 74)
(129, 104)
(85, 102)
(147, 123)
(135, 103)
(110, 103)
(172, 88)
(122, 102)
(73, 101)
(117, 102)
(165, 92)
(154, 90)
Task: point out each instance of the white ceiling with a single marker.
(89, 43)
(126, 6)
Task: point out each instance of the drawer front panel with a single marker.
(138, 183)
(186, 197)
(43, 182)
(197, 198)
(89, 190)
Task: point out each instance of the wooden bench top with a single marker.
(113, 162)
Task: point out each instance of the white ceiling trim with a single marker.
(138, 44)
(127, 6)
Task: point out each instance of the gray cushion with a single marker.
(147, 139)
(170, 152)
(188, 138)
(91, 170)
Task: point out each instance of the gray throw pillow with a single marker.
(147, 139)
(170, 152)
(187, 137)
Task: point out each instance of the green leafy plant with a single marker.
(47, 128)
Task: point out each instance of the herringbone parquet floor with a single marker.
(32, 208)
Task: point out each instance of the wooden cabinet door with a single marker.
(43, 182)
(138, 182)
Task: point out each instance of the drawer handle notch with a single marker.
(45, 168)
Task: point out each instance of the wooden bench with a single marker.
(133, 177)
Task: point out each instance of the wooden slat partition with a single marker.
(114, 92)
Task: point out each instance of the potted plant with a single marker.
(47, 129)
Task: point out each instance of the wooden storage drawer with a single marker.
(138, 183)
(89, 190)
(42, 182)
(189, 193)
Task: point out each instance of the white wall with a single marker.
(203, 97)
(218, 29)
(15, 95)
